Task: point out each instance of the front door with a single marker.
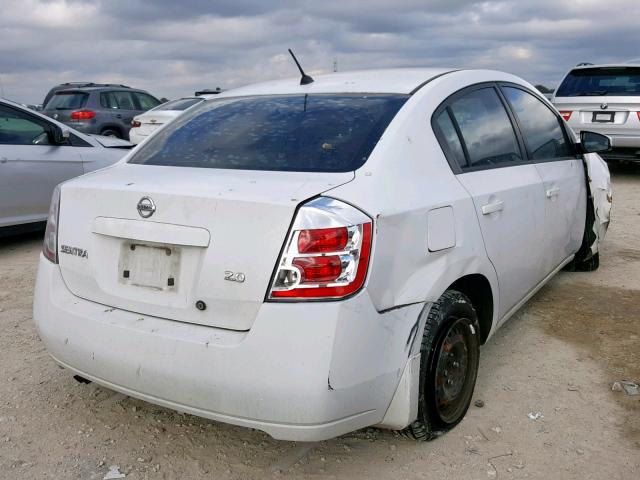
(30, 167)
(562, 172)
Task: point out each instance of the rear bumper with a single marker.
(305, 371)
(625, 141)
(135, 137)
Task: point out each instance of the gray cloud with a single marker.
(173, 47)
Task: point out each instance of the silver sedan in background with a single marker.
(36, 154)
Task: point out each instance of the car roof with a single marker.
(393, 80)
(606, 65)
(72, 89)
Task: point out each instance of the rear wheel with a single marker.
(450, 353)
(111, 132)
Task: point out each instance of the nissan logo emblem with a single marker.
(146, 207)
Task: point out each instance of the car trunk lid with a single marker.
(205, 252)
(151, 121)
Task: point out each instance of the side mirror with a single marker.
(60, 135)
(591, 142)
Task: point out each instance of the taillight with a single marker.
(50, 243)
(638, 115)
(83, 115)
(566, 114)
(326, 255)
(135, 123)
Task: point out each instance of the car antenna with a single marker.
(306, 79)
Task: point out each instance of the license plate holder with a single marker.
(603, 117)
(151, 266)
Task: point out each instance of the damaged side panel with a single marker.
(602, 197)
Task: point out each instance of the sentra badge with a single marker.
(75, 251)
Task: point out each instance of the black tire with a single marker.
(450, 349)
(111, 132)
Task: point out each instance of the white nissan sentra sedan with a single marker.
(312, 259)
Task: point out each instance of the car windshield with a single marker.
(601, 81)
(309, 133)
(179, 104)
(67, 101)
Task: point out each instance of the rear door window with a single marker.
(486, 129)
(117, 100)
(601, 81)
(541, 128)
(449, 139)
(144, 101)
(312, 133)
(67, 101)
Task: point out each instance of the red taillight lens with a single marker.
(83, 115)
(324, 263)
(319, 269)
(50, 243)
(566, 114)
(135, 123)
(638, 115)
(322, 240)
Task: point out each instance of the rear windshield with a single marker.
(601, 81)
(179, 105)
(307, 133)
(67, 100)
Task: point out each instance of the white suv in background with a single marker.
(604, 99)
(310, 259)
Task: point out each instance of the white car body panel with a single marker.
(150, 122)
(601, 191)
(302, 370)
(265, 201)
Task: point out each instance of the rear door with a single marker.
(122, 106)
(30, 167)
(476, 130)
(562, 172)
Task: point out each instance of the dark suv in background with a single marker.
(100, 109)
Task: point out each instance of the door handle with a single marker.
(492, 207)
(553, 192)
(118, 116)
(3, 160)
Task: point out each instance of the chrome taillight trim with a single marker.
(320, 213)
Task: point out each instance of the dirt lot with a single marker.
(559, 356)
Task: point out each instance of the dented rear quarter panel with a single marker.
(411, 176)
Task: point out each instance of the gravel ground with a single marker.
(558, 356)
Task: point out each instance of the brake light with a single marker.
(50, 243)
(135, 123)
(566, 114)
(638, 115)
(325, 263)
(83, 115)
(322, 240)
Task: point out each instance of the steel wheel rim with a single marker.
(452, 369)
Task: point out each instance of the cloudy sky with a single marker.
(172, 47)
